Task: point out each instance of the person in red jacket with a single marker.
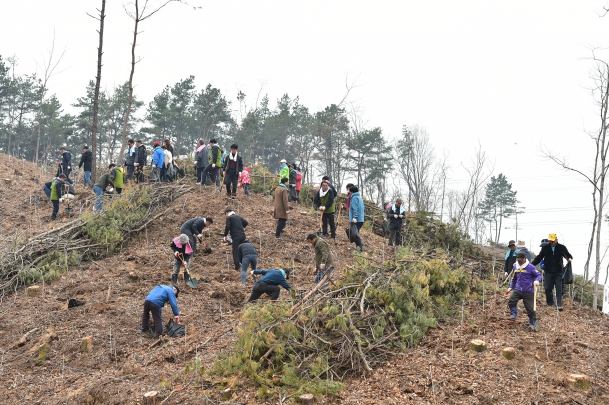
(298, 183)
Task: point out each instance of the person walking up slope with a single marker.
(357, 214)
(281, 208)
(553, 254)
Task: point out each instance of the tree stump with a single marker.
(133, 276)
(306, 399)
(477, 345)
(33, 291)
(579, 381)
(150, 397)
(509, 353)
(86, 344)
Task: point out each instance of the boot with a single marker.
(531, 322)
(186, 277)
(174, 279)
(514, 313)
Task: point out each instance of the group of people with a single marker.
(525, 278)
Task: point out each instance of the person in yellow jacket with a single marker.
(118, 173)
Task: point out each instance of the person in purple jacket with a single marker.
(155, 301)
(526, 279)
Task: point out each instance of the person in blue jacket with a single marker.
(525, 281)
(154, 303)
(158, 161)
(270, 283)
(356, 213)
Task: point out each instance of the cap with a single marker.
(521, 244)
(520, 255)
(283, 161)
(552, 237)
(544, 242)
(512, 242)
(156, 143)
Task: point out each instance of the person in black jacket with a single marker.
(510, 258)
(130, 159)
(85, 159)
(66, 161)
(235, 225)
(293, 196)
(247, 255)
(233, 166)
(395, 215)
(552, 254)
(193, 228)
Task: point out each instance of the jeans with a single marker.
(281, 222)
(325, 219)
(55, 208)
(246, 188)
(245, 262)
(130, 170)
(99, 193)
(358, 241)
(88, 177)
(321, 273)
(551, 280)
(149, 307)
(214, 172)
(47, 191)
(264, 288)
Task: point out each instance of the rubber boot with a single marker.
(531, 322)
(174, 279)
(514, 313)
(186, 277)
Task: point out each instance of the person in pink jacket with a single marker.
(298, 182)
(245, 180)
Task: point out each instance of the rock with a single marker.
(33, 291)
(579, 381)
(86, 344)
(509, 353)
(477, 345)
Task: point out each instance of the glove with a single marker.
(252, 272)
(213, 166)
(322, 266)
(61, 199)
(111, 189)
(505, 274)
(401, 216)
(177, 254)
(225, 240)
(315, 272)
(200, 236)
(508, 291)
(395, 215)
(536, 283)
(354, 220)
(136, 164)
(240, 173)
(68, 167)
(176, 319)
(322, 208)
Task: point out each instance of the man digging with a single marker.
(154, 303)
(182, 251)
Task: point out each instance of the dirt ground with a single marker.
(120, 365)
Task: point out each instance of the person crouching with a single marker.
(269, 283)
(525, 281)
(156, 299)
(182, 251)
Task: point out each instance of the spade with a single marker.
(536, 326)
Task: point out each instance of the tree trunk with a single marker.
(96, 96)
(128, 112)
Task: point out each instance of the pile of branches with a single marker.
(25, 260)
(310, 345)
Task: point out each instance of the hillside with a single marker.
(120, 365)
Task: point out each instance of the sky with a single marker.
(512, 77)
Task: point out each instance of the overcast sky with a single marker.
(511, 76)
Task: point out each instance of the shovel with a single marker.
(191, 282)
(320, 231)
(536, 326)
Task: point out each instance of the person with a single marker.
(140, 159)
(542, 264)
(245, 180)
(167, 165)
(235, 226)
(168, 147)
(154, 303)
(269, 283)
(215, 160)
(357, 214)
(525, 281)
(55, 193)
(193, 228)
(552, 255)
(100, 187)
(326, 178)
(298, 184)
(510, 258)
(521, 246)
(284, 170)
(233, 166)
(247, 255)
(292, 182)
(118, 174)
(348, 203)
(66, 161)
(395, 214)
(158, 162)
(182, 251)
(323, 257)
(324, 201)
(86, 160)
(130, 159)
(280, 206)
(201, 161)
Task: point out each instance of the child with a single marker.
(526, 279)
(244, 179)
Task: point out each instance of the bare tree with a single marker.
(138, 15)
(600, 165)
(102, 16)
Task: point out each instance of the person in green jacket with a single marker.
(56, 193)
(118, 173)
(324, 201)
(100, 187)
(285, 170)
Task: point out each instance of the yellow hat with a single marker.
(552, 237)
